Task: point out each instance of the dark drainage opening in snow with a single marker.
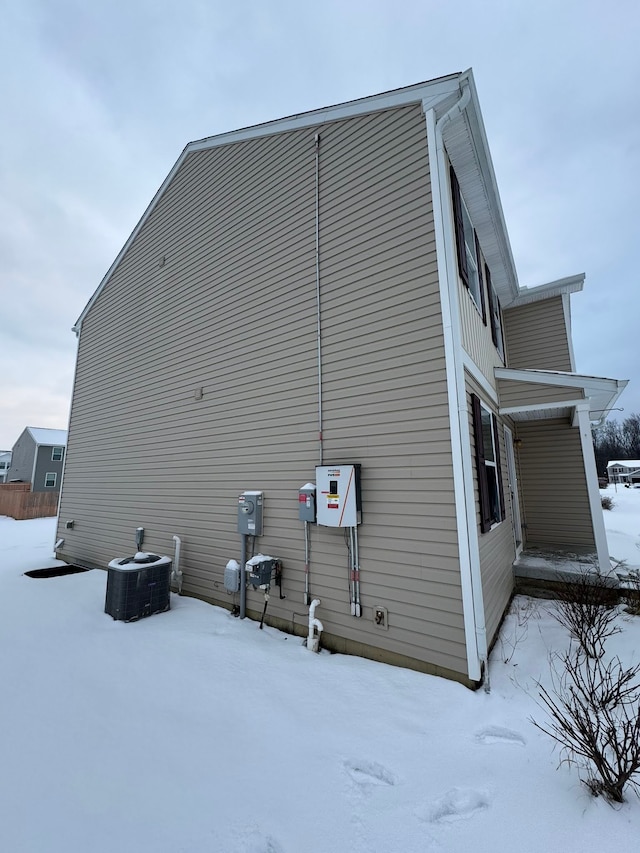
(55, 572)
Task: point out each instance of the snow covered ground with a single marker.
(623, 524)
(193, 732)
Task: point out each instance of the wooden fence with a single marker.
(19, 502)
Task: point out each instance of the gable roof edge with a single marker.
(434, 90)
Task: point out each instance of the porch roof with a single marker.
(600, 393)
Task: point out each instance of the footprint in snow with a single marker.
(367, 774)
(254, 842)
(496, 734)
(457, 804)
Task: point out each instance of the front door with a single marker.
(513, 489)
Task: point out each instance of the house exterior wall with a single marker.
(197, 379)
(5, 464)
(497, 546)
(476, 336)
(45, 465)
(22, 457)
(553, 488)
(536, 336)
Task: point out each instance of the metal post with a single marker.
(243, 575)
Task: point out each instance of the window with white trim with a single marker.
(56, 454)
(489, 473)
(495, 315)
(467, 249)
(50, 480)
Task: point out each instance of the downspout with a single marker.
(468, 545)
(318, 313)
(591, 476)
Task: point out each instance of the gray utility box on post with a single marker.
(250, 513)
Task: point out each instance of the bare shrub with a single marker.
(630, 586)
(594, 715)
(607, 502)
(516, 625)
(586, 607)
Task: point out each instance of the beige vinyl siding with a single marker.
(514, 393)
(553, 487)
(217, 292)
(536, 336)
(476, 336)
(497, 546)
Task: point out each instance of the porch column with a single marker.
(591, 474)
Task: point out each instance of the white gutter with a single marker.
(591, 475)
(468, 549)
(559, 287)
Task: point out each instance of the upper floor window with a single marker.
(495, 315)
(56, 454)
(468, 249)
(50, 480)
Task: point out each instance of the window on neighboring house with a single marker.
(56, 454)
(50, 480)
(490, 493)
(495, 314)
(467, 248)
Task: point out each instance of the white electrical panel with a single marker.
(338, 495)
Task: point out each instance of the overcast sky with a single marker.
(98, 98)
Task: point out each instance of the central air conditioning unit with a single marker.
(138, 586)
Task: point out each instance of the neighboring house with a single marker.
(5, 462)
(38, 458)
(624, 471)
(338, 288)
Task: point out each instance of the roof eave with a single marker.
(559, 287)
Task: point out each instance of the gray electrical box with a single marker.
(307, 503)
(250, 513)
(260, 570)
(232, 576)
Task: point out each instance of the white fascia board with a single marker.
(433, 92)
(558, 377)
(607, 390)
(486, 165)
(559, 287)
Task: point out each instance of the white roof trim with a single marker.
(559, 287)
(600, 391)
(430, 91)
